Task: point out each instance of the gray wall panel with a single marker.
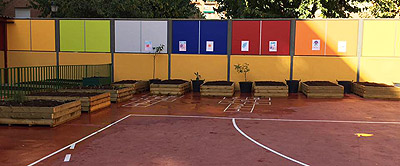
(156, 32)
(127, 36)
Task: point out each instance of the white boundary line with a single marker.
(76, 142)
(265, 147)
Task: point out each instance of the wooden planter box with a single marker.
(89, 104)
(51, 116)
(217, 90)
(322, 91)
(169, 89)
(270, 91)
(116, 95)
(140, 86)
(373, 92)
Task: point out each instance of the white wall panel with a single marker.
(127, 36)
(156, 32)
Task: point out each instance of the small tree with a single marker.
(157, 50)
(243, 69)
(198, 76)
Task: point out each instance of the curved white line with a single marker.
(265, 147)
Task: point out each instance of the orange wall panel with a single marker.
(339, 31)
(306, 31)
(19, 35)
(43, 35)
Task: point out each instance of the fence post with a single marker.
(229, 50)
(359, 46)
(112, 37)
(292, 45)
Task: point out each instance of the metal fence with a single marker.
(25, 80)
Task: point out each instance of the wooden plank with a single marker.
(38, 115)
(49, 122)
(324, 95)
(216, 87)
(270, 91)
(271, 88)
(258, 94)
(103, 100)
(216, 94)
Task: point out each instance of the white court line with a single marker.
(72, 147)
(227, 107)
(67, 158)
(265, 147)
(76, 142)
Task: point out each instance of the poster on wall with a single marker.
(148, 46)
(245, 46)
(273, 46)
(316, 45)
(210, 46)
(182, 45)
(342, 46)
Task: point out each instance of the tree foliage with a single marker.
(3, 4)
(288, 8)
(385, 8)
(118, 8)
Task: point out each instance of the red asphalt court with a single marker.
(193, 130)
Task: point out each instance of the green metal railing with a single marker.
(25, 80)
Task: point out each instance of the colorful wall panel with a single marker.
(185, 32)
(19, 35)
(43, 35)
(243, 31)
(72, 35)
(154, 32)
(127, 36)
(379, 38)
(308, 32)
(275, 32)
(215, 32)
(97, 36)
(344, 34)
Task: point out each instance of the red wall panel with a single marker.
(275, 31)
(246, 31)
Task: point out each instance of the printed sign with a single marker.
(245, 46)
(342, 46)
(273, 46)
(182, 45)
(148, 46)
(316, 45)
(210, 46)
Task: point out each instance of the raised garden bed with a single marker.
(217, 88)
(90, 101)
(170, 87)
(376, 90)
(322, 89)
(270, 89)
(138, 86)
(39, 112)
(117, 94)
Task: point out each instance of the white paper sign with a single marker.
(316, 45)
(245, 46)
(148, 46)
(210, 46)
(182, 45)
(342, 46)
(273, 46)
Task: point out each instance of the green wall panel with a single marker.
(72, 35)
(97, 36)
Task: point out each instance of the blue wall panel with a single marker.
(216, 31)
(185, 31)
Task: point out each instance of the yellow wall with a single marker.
(378, 69)
(23, 59)
(73, 58)
(43, 35)
(19, 35)
(342, 30)
(325, 68)
(139, 66)
(1, 59)
(379, 38)
(210, 67)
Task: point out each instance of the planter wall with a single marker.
(217, 90)
(322, 91)
(169, 89)
(373, 92)
(116, 95)
(270, 91)
(139, 86)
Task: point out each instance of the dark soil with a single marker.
(67, 94)
(19, 88)
(34, 103)
(107, 87)
(269, 83)
(126, 82)
(46, 83)
(218, 83)
(65, 80)
(374, 84)
(320, 83)
(175, 81)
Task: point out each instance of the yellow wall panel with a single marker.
(397, 45)
(340, 30)
(23, 59)
(325, 68)
(70, 58)
(262, 68)
(379, 38)
(19, 35)
(1, 59)
(378, 69)
(43, 35)
(306, 31)
(210, 67)
(139, 66)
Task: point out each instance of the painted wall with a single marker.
(19, 35)
(185, 31)
(71, 58)
(24, 59)
(2, 35)
(246, 31)
(378, 69)
(210, 67)
(380, 38)
(140, 66)
(278, 31)
(1, 59)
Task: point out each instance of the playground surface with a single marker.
(194, 130)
